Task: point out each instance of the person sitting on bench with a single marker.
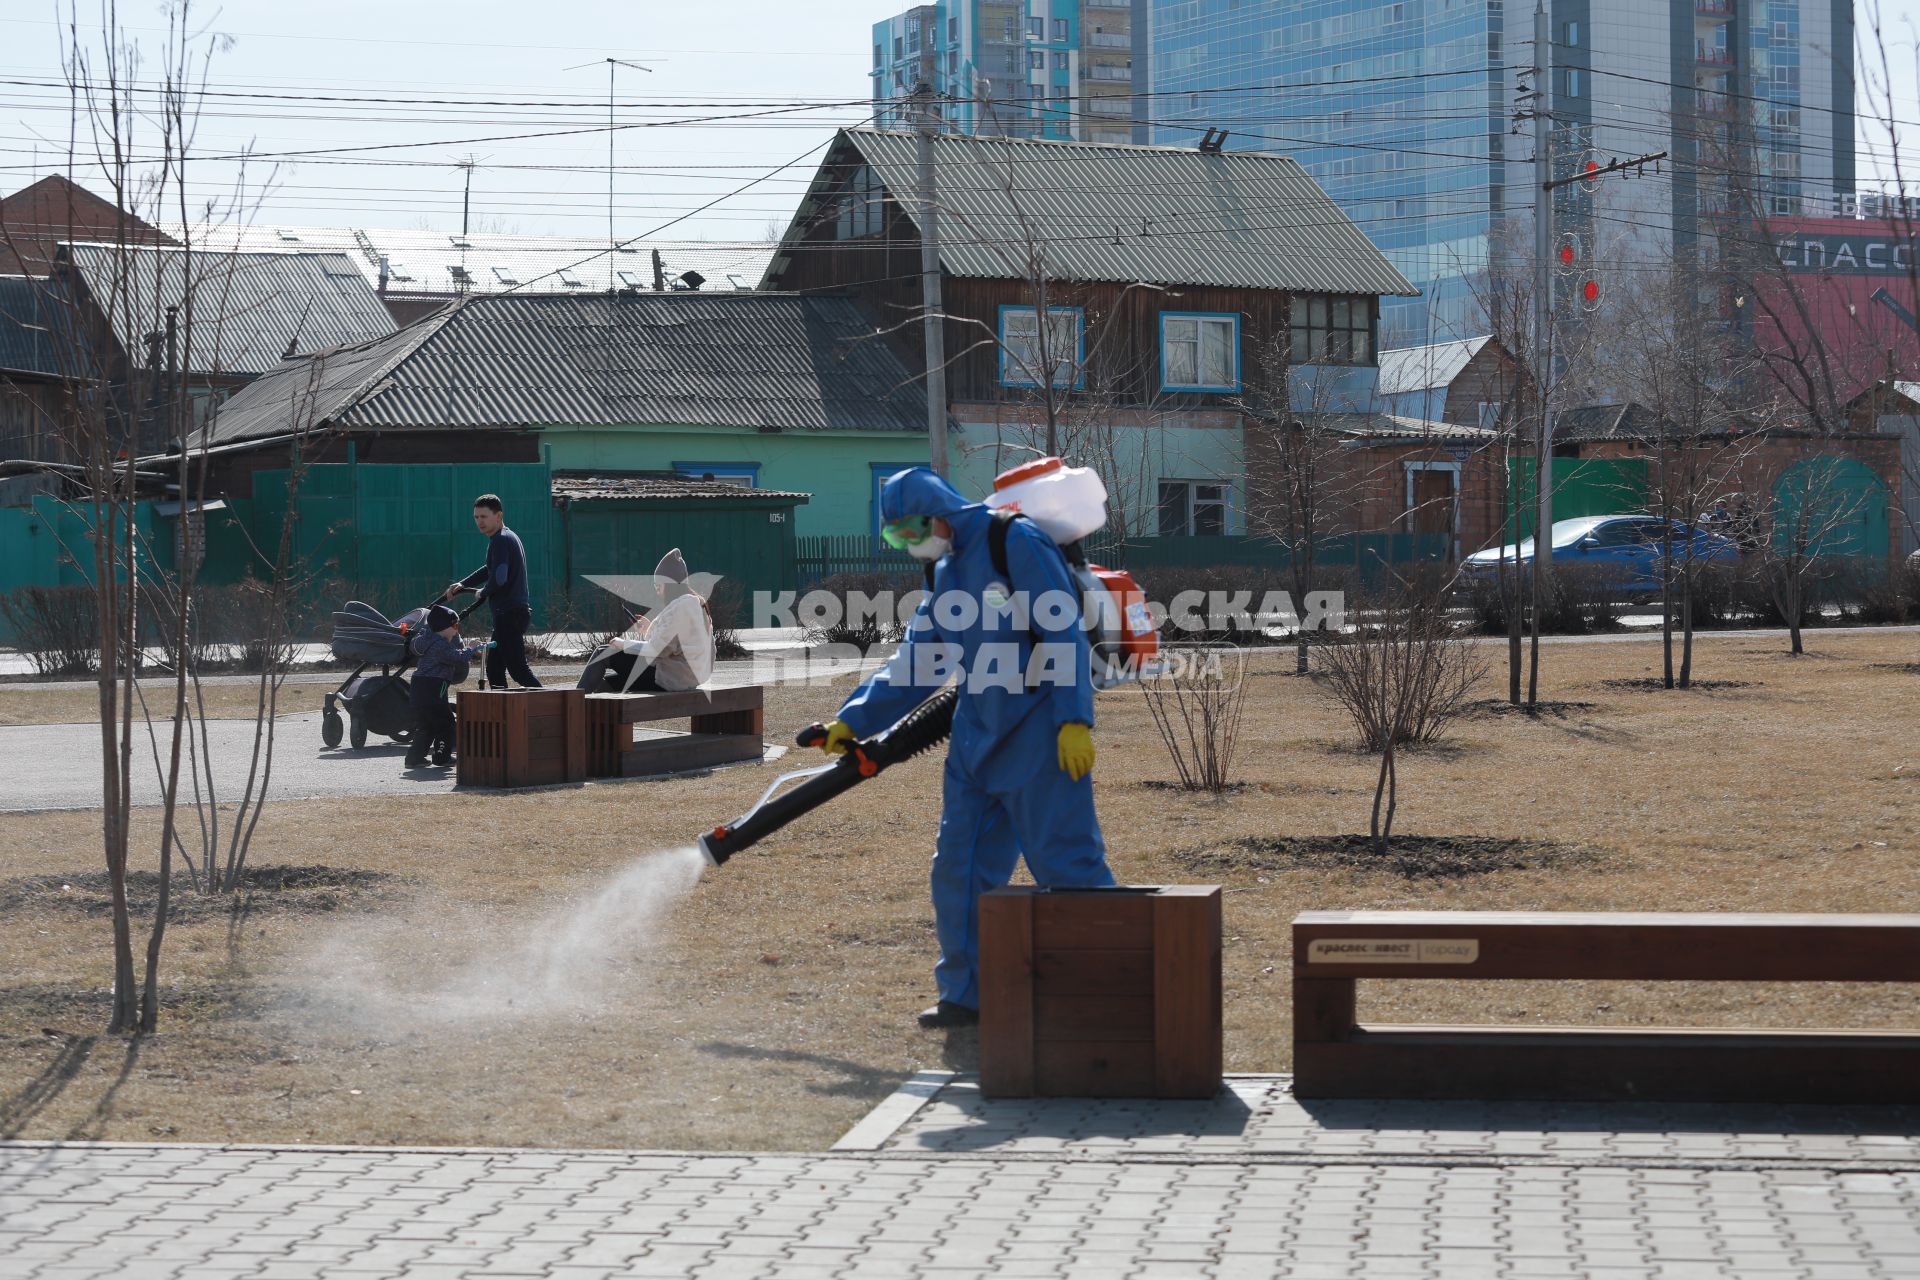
(673, 649)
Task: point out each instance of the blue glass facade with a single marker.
(1398, 109)
(1024, 68)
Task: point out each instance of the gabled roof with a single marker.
(1113, 213)
(37, 217)
(770, 362)
(247, 308)
(425, 262)
(1406, 369)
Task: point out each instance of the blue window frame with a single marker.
(1199, 351)
(1021, 352)
(746, 473)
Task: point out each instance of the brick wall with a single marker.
(1745, 468)
(1363, 487)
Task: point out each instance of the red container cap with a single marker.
(1025, 471)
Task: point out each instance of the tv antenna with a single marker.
(613, 67)
(467, 163)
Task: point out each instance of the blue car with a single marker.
(1629, 546)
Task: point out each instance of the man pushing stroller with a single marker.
(442, 661)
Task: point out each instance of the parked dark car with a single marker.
(1629, 546)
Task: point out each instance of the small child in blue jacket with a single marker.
(442, 662)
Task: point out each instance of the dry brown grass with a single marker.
(26, 703)
(773, 1005)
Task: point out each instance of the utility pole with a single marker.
(933, 316)
(466, 195)
(1543, 283)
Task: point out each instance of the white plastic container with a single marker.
(1068, 502)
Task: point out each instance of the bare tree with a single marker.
(1403, 680)
(1689, 371)
(1305, 476)
(124, 426)
(1504, 294)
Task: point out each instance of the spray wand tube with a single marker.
(927, 725)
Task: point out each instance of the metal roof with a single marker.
(1393, 426)
(313, 391)
(1606, 422)
(657, 485)
(424, 262)
(248, 308)
(1405, 369)
(1109, 212)
(770, 362)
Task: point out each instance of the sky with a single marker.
(733, 106)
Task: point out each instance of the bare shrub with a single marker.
(725, 607)
(260, 641)
(859, 621)
(1408, 674)
(1578, 600)
(1197, 700)
(1404, 680)
(56, 628)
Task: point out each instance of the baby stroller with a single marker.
(373, 703)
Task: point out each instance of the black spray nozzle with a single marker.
(925, 726)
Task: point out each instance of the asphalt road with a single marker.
(57, 766)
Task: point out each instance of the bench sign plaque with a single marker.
(1393, 951)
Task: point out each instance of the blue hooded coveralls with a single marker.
(1005, 791)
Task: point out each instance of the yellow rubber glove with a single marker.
(1076, 750)
(839, 738)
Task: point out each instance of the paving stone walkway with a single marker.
(1118, 1195)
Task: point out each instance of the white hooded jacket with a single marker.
(677, 640)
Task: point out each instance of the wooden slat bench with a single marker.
(727, 725)
(1335, 1057)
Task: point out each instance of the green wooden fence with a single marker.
(1581, 487)
(824, 556)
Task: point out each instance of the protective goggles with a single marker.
(910, 532)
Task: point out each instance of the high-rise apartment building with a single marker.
(1408, 112)
(1023, 68)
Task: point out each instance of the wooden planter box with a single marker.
(522, 737)
(726, 725)
(1100, 993)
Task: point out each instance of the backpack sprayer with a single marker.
(1068, 503)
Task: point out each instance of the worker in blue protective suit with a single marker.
(1018, 776)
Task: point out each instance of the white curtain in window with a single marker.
(1183, 352)
(1200, 352)
(1217, 354)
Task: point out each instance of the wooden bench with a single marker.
(727, 725)
(1335, 1057)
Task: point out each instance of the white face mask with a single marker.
(931, 547)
